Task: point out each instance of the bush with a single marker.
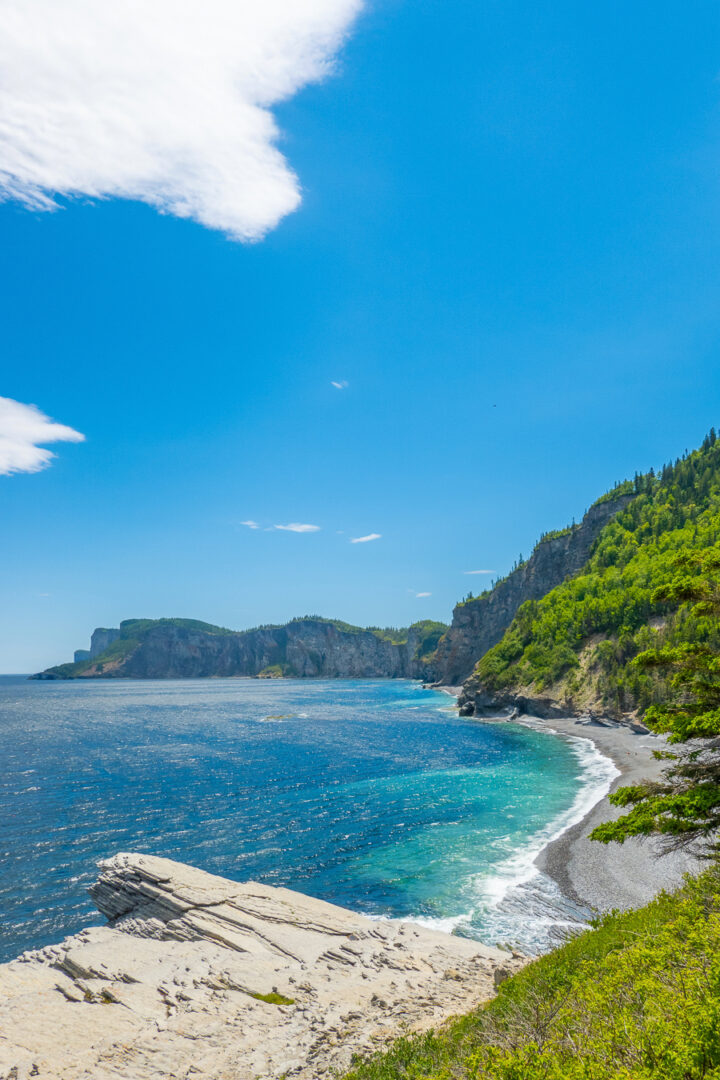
(635, 998)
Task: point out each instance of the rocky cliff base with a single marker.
(198, 976)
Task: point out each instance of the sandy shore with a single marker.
(604, 876)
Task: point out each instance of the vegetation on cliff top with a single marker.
(589, 629)
(636, 998)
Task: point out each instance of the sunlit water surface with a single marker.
(370, 794)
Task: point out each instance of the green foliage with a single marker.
(618, 593)
(272, 671)
(684, 806)
(428, 633)
(274, 998)
(555, 534)
(636, 998)
(137, 628)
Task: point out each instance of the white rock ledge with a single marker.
(166, 990)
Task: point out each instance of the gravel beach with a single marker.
(605, 876)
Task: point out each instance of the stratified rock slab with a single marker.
(173, 987)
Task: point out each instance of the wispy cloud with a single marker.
(420, 595)
(162, 103)
(341, 385)
(365, 539)
(296, 527)
(23, 428)
(250, 524)
(478, 571)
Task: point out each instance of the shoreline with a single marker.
(605, 876)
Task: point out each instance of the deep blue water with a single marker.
(371, 794)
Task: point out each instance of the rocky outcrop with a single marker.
(477, 700)
(199, 976)
(102, 639)
(479, 624)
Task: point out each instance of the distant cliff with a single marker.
(478, 624)
(310, 647)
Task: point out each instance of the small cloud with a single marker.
(44, 595)
(341, 385)
(478, 571)
(250, 524)
(22, 429)
(419, 595)
(296, 527)
(365, 539)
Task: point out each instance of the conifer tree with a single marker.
(684, 805)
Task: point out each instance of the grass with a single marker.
(274, 998)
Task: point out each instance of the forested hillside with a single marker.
(577, 643)
(637, 998)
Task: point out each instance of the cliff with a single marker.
(305, 648)
(478, 624)
(196, 975)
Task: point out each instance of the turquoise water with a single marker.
(370, 794)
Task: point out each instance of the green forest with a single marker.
(584, 635)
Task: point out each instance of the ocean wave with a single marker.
(517, 900)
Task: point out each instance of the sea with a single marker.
(372, 794)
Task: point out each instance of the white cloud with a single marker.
(250, 524)
(365, 539)
(419, 595)
(296, 527)
(22, 429)
(341, 385)
(158, 101)
(478, 571)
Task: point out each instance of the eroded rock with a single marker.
(199, 976)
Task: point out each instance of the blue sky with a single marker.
(507, 248)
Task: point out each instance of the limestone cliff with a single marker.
(199, 976)
(479, 624)
(305, 648)
(102, 638)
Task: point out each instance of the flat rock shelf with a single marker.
(199, 976)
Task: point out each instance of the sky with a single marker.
(335, 303)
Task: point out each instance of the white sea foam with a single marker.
(448, 925)
(517, 902)
(596, 776)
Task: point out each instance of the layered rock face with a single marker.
(199, 976)
(102, 639)
(479, 624)
(304, 649)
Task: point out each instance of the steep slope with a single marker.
(571, 651)
(479, 622)
(311, 647)
(636, 998)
